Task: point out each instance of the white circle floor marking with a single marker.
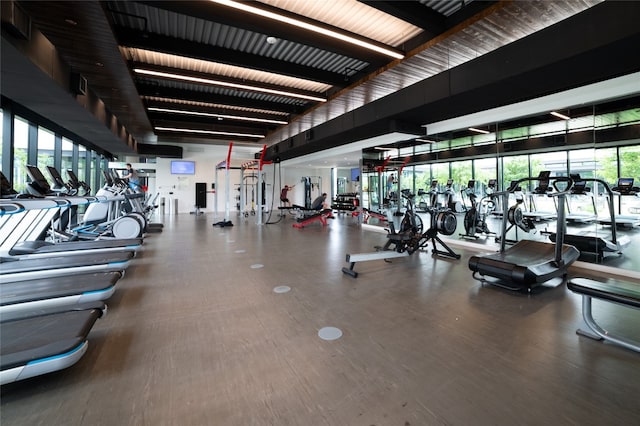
(282, 289)
(257, 266)
(240, 251)
(330, 333)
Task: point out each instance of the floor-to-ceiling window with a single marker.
(20, 153)
(46, 145)
(82, 165)
(67, 157)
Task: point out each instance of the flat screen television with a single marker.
(355, 175)
(183, 167)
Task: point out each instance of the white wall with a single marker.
(182, 187)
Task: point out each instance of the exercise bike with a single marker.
(410, 226)
(411, 238)
(475, 220)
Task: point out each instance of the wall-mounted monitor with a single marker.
(355, 175)
(183, 167)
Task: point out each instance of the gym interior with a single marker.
(485, 270)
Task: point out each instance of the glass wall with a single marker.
(37, 145)
(67, 157)
(46, 146)
(20, 154)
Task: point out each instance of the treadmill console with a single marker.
(434, 184)
(57, 179)
(471, 184)
(73, 178)
(7, 189)
(449, 183)
(543, 186)
(625, 187)
(579, 185)
(38, 182)
(492, 184)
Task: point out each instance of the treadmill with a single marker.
(528, 263)
(542, 190)
(41, 341)
(594, 243)
(50, 292)
(624, 188)
(580, 189)
(13, 264)
(77, 184)
(22, 234)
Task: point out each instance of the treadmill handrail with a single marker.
(10, 208)
(560, 218)
(612, 213)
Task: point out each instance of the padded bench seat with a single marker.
(620, 292)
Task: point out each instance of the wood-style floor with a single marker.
(196, 335)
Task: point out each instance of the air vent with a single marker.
(15, 20)
(78, 84)
(167, 151)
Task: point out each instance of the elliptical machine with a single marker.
(475, 220)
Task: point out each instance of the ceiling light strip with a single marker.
(209, 114)
(207, 132)
(557, 114)
(484, 132)
(189, 103)
(227, 84)
(310, 27)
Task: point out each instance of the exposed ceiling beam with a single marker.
(161, 73)
(147, 89)
(170, 45)
(412, 12)
(228, 16)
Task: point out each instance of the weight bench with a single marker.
(620, 292)
(321, 217)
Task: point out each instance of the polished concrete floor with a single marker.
(196, 335)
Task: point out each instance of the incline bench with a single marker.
(620, 292)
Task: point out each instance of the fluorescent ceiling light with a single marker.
(209, 114)
(207, 132)
(227, 84)
(245, 7)
(557, 114)
(425, 140)
(484, 132)
(382, 148)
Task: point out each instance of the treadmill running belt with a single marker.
(43, 343)
(10, 265)
(53, 287)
